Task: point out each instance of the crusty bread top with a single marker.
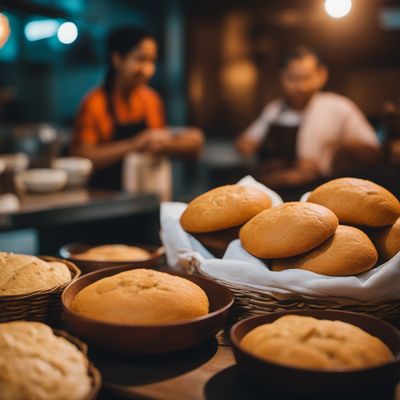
(348, 251)
(114, 252)
(358, 202)
(309, 343)
(22, 274)
(36, 364)
(224, 207)
(288, 230)
(141, 297)
(387, 240)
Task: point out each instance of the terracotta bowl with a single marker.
(294, 383)
(69, 250)
(154, 339)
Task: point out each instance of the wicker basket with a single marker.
(93, 372)
(250, 301)
(44, 306)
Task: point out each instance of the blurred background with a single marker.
(218, 67)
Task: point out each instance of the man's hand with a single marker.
(246, 146)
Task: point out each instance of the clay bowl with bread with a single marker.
(109, 312)
(139, 256)
(315, 365)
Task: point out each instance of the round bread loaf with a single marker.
(114, 252)
(36, 364)
(21, 274)
(387, 240)
(141, 297)
(348, 251)
(223, 207)
(358, 202)
(309, 343)
(288, 230)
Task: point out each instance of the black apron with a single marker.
(279, 143)
(111, 177)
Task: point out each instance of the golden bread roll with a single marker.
(358, 202)
(288, 230)
(22, 274)
(141, 297)
(223, 207)
(309, 343)
(36, 364)
(114, 252)
(348, 251)
(387, 240)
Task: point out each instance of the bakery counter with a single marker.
(94, 216)
(207, 372)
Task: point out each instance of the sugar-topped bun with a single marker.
(36, 364)
(22, 274)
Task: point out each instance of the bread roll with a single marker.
(223, 207)
(35, 364)
(288, 230)
(309, 343)
(21, 274)
(114, 252)
(141, 297)
(387, 240)
(348, 252)
(358, 202)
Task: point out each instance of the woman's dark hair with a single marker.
(299, 52)
(120, 41)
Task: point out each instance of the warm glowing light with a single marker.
(41, 29)
(337, 8)
(4, 30)
(67, 33)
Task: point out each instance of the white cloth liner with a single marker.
(381, 284)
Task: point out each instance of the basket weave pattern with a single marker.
(93, 372)
(251, 301)
(43, 306)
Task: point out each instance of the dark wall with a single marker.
(234, 49)
(50, 78)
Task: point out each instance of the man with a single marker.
(307, 133)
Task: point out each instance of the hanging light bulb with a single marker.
(337, 8)
(67, 33)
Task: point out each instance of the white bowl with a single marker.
(42, 180)
(9, 203)
(15, 162)
(78, 169)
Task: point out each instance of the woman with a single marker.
(125, 115)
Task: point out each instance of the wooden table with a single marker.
(206, 372)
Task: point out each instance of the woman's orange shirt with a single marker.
(94, 123)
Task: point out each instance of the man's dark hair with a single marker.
(297, 53)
